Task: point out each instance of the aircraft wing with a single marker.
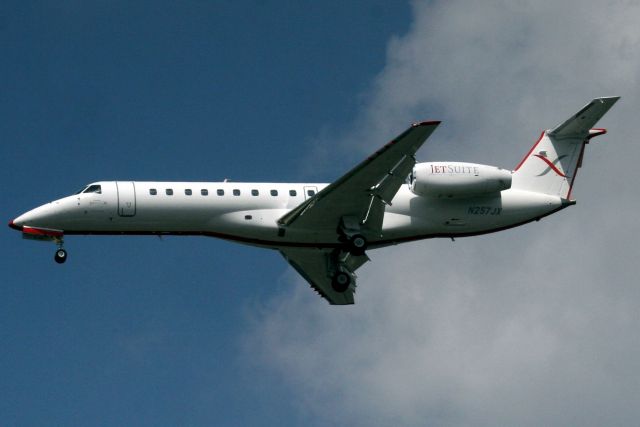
(313, 264)
(363, 192)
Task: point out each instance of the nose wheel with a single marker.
(60, 256)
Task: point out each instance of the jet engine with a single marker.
(455, 179)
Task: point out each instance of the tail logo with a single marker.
(551, 165)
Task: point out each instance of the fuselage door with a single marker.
(126, 198)
(309, 191)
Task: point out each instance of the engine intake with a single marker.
(455, 179)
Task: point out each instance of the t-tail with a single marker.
(551, 165)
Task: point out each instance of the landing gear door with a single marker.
(310, 191)
(126, 198)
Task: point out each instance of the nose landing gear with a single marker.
(61, 255)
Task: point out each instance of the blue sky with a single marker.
(142, 331)
(536, 325)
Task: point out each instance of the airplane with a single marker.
(325, 230)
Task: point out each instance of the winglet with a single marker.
(426, 123)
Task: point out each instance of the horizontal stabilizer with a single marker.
(578, 125)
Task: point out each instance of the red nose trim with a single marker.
(15, 227)
(42, 232)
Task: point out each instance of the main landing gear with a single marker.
(357, 244)
(345, 260)
(342, 264)
(341, 281)
(350, 229)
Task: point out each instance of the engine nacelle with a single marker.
(455, 179)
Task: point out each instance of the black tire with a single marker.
(358, 244)
(60, 256)
(341, 282)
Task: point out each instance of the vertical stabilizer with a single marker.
(551, 165)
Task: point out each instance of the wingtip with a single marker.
(427, 123)
(612, 99)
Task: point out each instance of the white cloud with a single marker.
(527, 327)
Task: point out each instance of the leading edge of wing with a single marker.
(406, 144)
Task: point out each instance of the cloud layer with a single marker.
(531, 326)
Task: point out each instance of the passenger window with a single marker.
(204, 192)
(93, 189)
(293, 193)
(236, 192)
(220, 192)
(254, 192)
(188, 192)
(274, 193)
(169, 192)
(153, 191)
(310, 192)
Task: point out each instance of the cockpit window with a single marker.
(93, 189)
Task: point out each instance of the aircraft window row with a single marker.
(204, 191)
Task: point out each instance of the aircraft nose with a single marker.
(15, 226)
(35, 217)
(19, 222)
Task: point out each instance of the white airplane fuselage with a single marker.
(324, 230)
(212, 209)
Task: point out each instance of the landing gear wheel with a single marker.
(61, 256)
(341, 281)
(358, 244)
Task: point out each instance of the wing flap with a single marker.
(388, 186)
